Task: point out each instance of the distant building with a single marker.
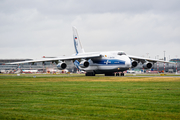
(158, 66)
(28, 66)
(2, 61)
(175, 60)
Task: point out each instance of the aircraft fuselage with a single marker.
(109, 62)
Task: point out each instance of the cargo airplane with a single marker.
(98, 62)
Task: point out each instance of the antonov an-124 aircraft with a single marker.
(98, 62)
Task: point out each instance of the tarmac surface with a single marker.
(101, 75)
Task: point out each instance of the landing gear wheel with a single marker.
(117, 74)
(122, 74)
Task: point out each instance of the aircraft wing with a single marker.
(143, 59)
(73, 57)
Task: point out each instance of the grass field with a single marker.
(80, 97)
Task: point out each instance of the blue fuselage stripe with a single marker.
(109, 62)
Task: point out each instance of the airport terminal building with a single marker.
(39, 66)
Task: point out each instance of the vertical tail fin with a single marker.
(77, 43)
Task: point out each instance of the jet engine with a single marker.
(61, 65)
(147, 65)
(134, 64)
(84, 64)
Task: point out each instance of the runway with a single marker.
(97, 75)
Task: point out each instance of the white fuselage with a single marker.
(109, 62)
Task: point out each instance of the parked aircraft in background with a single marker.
(29, 71)
(98, 62)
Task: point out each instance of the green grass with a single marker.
(23, 97)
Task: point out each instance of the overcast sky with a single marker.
(36, 28)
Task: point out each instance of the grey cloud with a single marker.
(27, 26)
(94, 6)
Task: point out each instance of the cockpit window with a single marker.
(121, 53)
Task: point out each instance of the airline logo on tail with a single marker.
(77, 44)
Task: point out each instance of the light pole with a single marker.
(176, 64)
(158, 64)
(164, 62)
(164, 67)
(164, 56)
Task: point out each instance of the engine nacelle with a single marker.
(134, 64)
(61, 66)
(84, 64)
(147, 65)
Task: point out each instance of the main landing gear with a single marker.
(113, 74)
(121, 74)
(106, 74)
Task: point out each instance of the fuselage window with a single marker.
(121, 53)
